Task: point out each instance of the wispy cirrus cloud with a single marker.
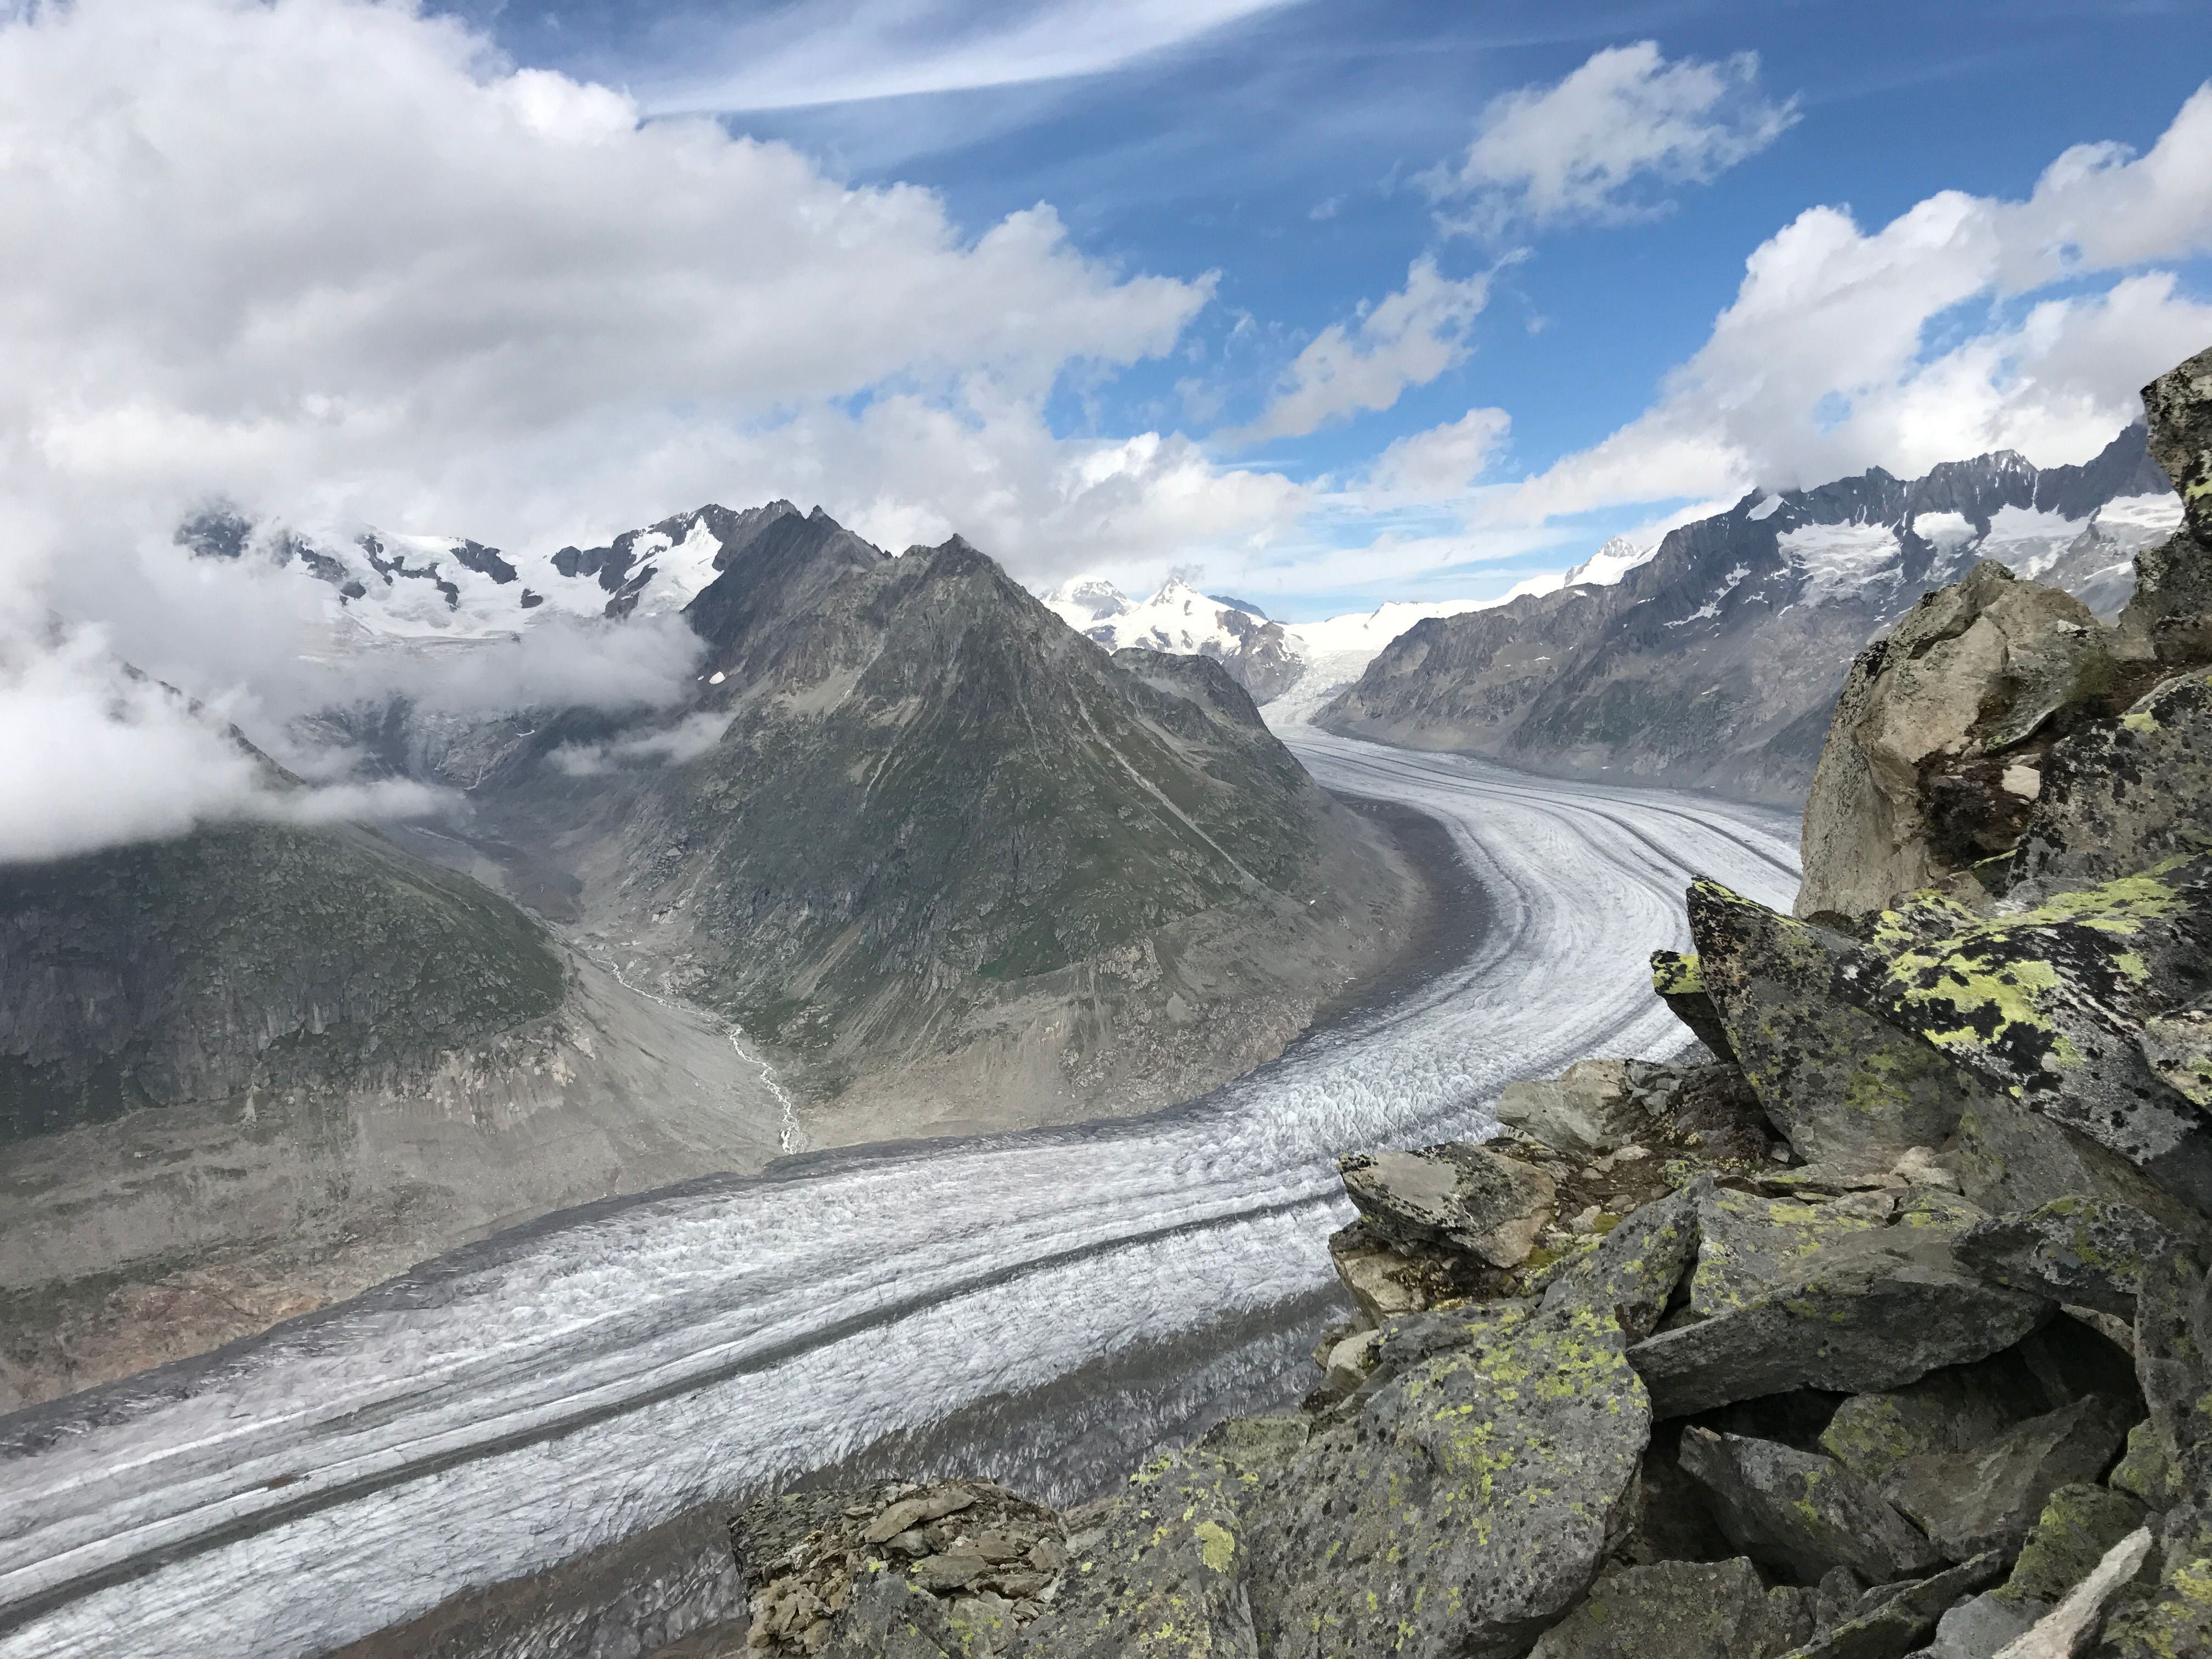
(836, 51)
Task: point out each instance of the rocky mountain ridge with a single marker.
(1716, 662)
(1880, 1328)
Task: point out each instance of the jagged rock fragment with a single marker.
(1837, 1081)
(1384, 1279)
(1874, 1311)
(1801, 1513)
(1632, 1275)
(1680, 982)
(888, 1619)
(1457, 1194)
(1680, 1610)
(2075, 1249)
(1893, 1620)
(1466, 1503)
(1989, 1498)
(2145, 1472)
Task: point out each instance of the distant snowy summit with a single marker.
(1272, 658)
(443, 587)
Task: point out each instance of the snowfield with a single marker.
(603, 1369)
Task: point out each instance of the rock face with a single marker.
(1680, 1609)
(1937, 750)
(1718, 662)
(1804, 1513)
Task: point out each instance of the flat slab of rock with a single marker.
(1747, 1242)
(1873, 1312)
(1680, 1610)
(1465, 1505)
(2076, 1248)
(1990, 1498)
(1802, 1514)
(2070, 1626)
(1457, 1194)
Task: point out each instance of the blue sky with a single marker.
(1283, 152)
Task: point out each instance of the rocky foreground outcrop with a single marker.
(1881, 1329)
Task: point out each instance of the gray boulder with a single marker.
(1631, 1275)
(1840, 1083)
(1463, 1506)
(2044, 1003)
(1915, 784)
(2068, 1629)
(2075, 1248)
(1802, 1514)
(1680, 1610)
(888, 1619)
(1464, 1196)
(1980, 1625)
(1872, 1312)
(1747, 1242)
(1990, 1498)
(1588, 1109)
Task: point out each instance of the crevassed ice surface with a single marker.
(557, 1389)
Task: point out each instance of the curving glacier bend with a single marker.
(558, 1388)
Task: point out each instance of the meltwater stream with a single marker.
(559, 1388)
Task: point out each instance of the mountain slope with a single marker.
(961, 864)
(1716, 662)
(259, 1068)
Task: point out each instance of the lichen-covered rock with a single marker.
(1167, 1580)
(2075, 1249)
(2045, 1006)
(1680, 982)
(1893, 1620)
(1801, 1513)
(2171, 609)
(1457, 1194)
(1587, 1109)
(2172, 1620)
(2121, 795)
(2011, 1159)
(1990, 1498)
(1874, 1311)
(2173, 1354)
(1464, 1506)
(888, 1619)
(1839, 1083)
(1951, 1409)
(1680, 1610)
(1911, 787)
(2145, 1472)
(2080, 1523)
(1747, 1242)
(1631, 1275)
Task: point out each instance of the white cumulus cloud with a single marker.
(1967, 324)
(1406, 339)
(1606, 142)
